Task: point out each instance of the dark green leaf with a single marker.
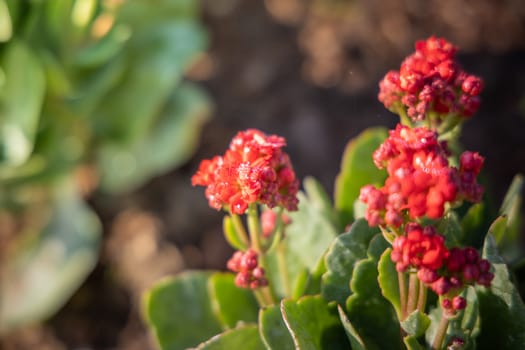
(244, 337)
(230, 303)
(357, 170)
(273, 330)
(474, 225)
(313, 324)
(179, 311)
(369, 312)
(41, 277)
(341, 257)
(354, 338)
(450, 227)
(416, 323)
(412, 343)
(501, 309)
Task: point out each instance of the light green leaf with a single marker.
(230, 303)
(21, 98)
(272, 328)
(6, 27)
(243, 337)
(412, 343)
(179, 311)
(388, 281)
(232, 236)
(354, 338)
(341, 258)
(313, 324)
(357, 170)
(170, 142)
(41, 276)
(416, 323)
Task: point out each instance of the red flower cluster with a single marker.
(249, 273)
(442, 269)
(420, 179)
(421, 248)
(431, 80)
(253, 170)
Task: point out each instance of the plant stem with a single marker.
(422, 298)
(283, 269)
(254, 228)
(403, 116)
(440, 333)
(402, 293)
(239, 227)
(413, 287)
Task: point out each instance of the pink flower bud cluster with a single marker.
(420, 180)
(451, 306)
(443, 270)
(430, 80)
(253, 170)
(249, 273)
(269, 220)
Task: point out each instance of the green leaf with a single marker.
(230, 303)
(474, 224)
(157, 58)
(498, 229)
(354, 338)
(388, 281)
(21, 98)
(41, 276)
(179, 311)
(243, 337)
(412, 343)
(357, 170)
(169, 143)
(501, 309)
(369, 312)
(6, 27)
(416, 323)
(450, 227)
(341, 258)
(273, 330)
(313, 324)
(313, 228)
(512, 204)
(232, 236)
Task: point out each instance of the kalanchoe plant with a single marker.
(415, 267)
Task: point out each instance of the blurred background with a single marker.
(108, 106)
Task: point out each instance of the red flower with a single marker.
(421, 248)
(253, 170)
(249, 273)
(420, 180)
(431, 80)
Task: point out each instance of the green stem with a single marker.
(254, 228)
(239, 227)
(422, 298)
(283, 269)
(402, 294)
(413, 287)
(403, 116)
(440, 333)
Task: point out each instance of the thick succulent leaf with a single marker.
(369, 312)
(243, 337)
(388, 281)
(354, 338)
(313, 228)
(274, 333)
(232, 236)
(512, 204)
(412, 344)
(21, 97)
(450, 227)
(156, 58)
(474, 224)
(313, 324)
(501, 309)
(179, 311)
(357, 170)
(170, 142)
(341, 258)
(40, 277)
(230, 303)
(416, 323)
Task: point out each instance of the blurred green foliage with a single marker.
(87, 84)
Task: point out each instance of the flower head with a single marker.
(253, 170)
(430, 80)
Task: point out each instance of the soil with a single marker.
(306, 70)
